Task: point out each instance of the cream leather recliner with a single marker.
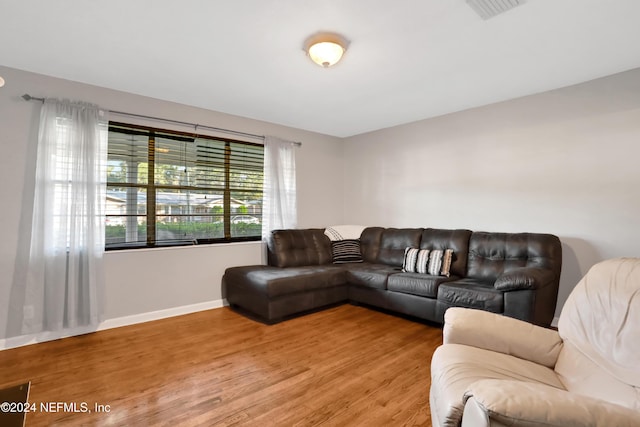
(498, 371)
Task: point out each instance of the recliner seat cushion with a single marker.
(417, 284)
(471, 293)
(581, 375)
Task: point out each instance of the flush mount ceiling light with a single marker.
(1, 81)
(325, 49)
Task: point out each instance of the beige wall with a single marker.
(564, 162)
(142, 281)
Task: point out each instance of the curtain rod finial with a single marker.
(28, 97)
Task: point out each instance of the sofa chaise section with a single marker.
(273, 293)
(299, 277)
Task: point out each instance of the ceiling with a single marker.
(407, 59)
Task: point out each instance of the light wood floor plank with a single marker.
(343, 366)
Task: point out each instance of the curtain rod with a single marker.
(28, 97)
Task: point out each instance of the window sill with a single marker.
(182, 247)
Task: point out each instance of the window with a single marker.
(170, 188)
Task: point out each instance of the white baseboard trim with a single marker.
(554, 322)
(160, 314)
(22, 340)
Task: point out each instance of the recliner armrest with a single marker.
(523, 278)
(520, 403)
(503, 334)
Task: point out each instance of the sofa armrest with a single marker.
(519, 403)
(524, 278)
(503, 334)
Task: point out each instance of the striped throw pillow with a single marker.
(440, 262)
(409, 260)
(435, 262)
(347, 250)
(415, 260)
(447, 258)
(422, 261)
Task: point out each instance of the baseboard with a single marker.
(22, 340)
(554, 322)
(160, 314)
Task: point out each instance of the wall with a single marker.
(562, 162)
(139, 282)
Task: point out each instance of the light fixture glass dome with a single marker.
(325, 53)
(325, 49)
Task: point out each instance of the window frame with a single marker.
(151, 186)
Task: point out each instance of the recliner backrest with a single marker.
(599, 327)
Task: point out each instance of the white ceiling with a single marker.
(408, 59)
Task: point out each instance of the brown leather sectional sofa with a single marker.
(515, 274)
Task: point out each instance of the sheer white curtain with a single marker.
(279, 205)
(65, 274)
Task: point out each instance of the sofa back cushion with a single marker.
(370, 243)
(491, 254)
(457, 240)
(393, 243)
(295, 248)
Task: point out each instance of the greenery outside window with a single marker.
(167, 188)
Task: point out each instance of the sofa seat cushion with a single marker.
(471, 293)
(369, 275)
(424, 285)
(455, 367)
(275, 282)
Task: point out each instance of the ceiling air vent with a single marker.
(490, 8)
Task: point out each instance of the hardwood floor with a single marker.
(345, 366)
